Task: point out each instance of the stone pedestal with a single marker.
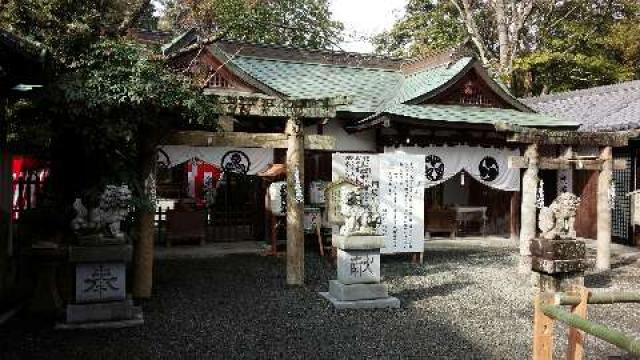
(358, 270)
(558, 265)
(101, 299)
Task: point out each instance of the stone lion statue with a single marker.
(113, 208)
(557, 220)
(359, 218)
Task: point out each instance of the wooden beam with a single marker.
(250, 140)
(269, 106)
(525, 135)
(547, 163)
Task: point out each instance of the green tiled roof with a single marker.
(422, 82)
(368, 87)
(379, 91)
(476, 115)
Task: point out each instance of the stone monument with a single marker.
(100, 258)
(358, 246)
(558, 258)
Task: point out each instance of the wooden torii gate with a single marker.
(532, 162)
(293, 139)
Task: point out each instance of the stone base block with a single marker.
(357, 242)
(384, 303)
(557, 282)
(558, 249)
(138, 321)
(557, 266)
(102, 312)
(358, 266)
(345, 292)
(101, 254)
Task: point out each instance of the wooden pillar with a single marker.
(6, 195)
(145, 231)
(514, 215)
(295, 209)
(575, 350)
(542, 329)
(528, 207)
(603, 257)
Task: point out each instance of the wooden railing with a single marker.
(549, 308)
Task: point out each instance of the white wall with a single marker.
(364, 141)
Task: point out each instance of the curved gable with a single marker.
(472, 85)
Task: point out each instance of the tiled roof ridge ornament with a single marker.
(436, 58)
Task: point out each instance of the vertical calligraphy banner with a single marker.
(401, 202)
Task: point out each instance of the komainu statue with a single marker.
(360, 217)
(557, 220)
(113, 207)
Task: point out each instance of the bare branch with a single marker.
(464, 8)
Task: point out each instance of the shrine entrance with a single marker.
(198, 202)
(463, 206)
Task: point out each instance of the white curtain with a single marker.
(249, 160)
(490, 166)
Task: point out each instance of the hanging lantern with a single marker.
(540, 195)
(612, 194)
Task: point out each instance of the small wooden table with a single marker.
(468, 214)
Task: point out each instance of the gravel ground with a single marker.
(466, 303)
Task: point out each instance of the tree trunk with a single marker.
(295, 209)
(503, 36)
(145, 231)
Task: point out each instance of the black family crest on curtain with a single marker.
(434, 167)
(489, 169)
(236, 161)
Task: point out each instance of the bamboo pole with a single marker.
(575, 350)
(611, 336)
(601, 298)
(295, 209)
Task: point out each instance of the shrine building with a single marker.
(444, 110)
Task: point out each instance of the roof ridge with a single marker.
(312, 49)
(437, 58)
(297, 61)
(565, 95)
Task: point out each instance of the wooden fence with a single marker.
(220, 226)
(548, 308)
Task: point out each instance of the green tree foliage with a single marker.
(428, 25)
(562, 44)
(581, 44)
(110, 100)
(305, 23)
